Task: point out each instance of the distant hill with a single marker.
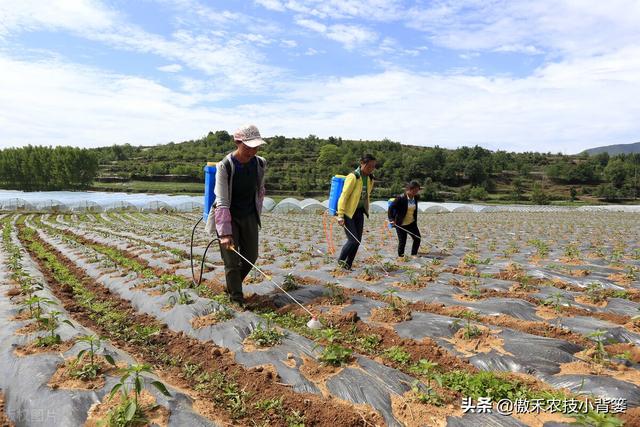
(615, 149)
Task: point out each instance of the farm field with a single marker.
(503, 319)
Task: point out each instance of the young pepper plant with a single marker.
(129, 407)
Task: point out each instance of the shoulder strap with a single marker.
(227, 165)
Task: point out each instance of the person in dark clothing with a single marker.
(235, 215)
(403, 215)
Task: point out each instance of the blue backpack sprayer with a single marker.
(209, 199)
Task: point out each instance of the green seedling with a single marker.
(542, 248)
(222, 313)
(335, 355)
(283, 248)
(140, 334)
(557, 300)
(29, 288)
(183, 298)
(474, 291)
(295, 419)
(288, 263)
(425, 396)
(35, 304)
(595, 292)
(269, 405)
(596, 419)
(571, 251)
(471, 258)
(190, 370)
(429, 272)
(266, 336)
(289, 283)
(335, 292)
(129, 412)
(470, 330)
(600, 355)
(370, 343)
(394, 302)
(51, 322)
(397, 354)
(331, 334)
(369, 273)
(92, 369)
(426, 368)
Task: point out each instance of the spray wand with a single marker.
(314, 323)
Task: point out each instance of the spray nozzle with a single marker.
(314, 323)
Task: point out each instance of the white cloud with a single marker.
(312, 25)
(288, 43)
(570, 27)
(562, 107)
(350, 36)
(171, 68)
(212, 52)
(377, 10)
(390, 47)
(63, 104)
(73, 15)
(271, 5)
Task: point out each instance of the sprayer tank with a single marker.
(209, 186)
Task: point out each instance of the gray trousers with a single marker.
(245, 239)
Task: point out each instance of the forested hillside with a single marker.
(303, 167)
(615, 149)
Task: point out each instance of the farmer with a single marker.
(403, 215)
(236, 212)
(353, 205)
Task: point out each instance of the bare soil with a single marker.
(62, 378)
(4, 419)
(415, 414)
(156, 414)
(484, 343)
(32, 348)
(632, 350)
(390, 315)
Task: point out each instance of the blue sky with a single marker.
(549, 75)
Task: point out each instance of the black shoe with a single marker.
(344, 265)
(238, 302)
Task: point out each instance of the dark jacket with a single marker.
(398, 209)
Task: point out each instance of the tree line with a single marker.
(304, 166)
(45, 168)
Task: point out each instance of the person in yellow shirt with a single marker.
(403, 214)
(353, 205)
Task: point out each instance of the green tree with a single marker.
(616, 172)
(478, 193)
(517, 186)
(538, 195)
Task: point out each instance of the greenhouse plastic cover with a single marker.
(11, 200)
